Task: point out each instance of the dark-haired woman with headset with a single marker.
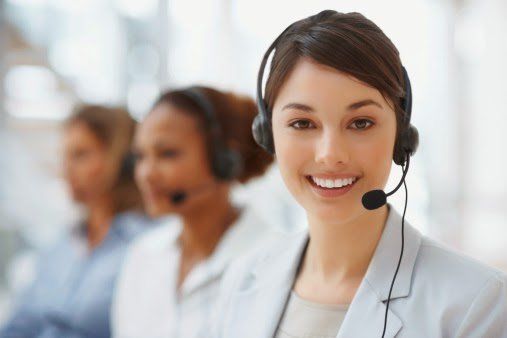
(336, 113)
(191, 149)
(72, 292)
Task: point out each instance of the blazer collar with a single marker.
(273, 277)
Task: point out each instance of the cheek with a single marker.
(186, 172)
(94, 172)
(375, 159)
(293, 154)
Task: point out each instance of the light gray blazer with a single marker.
(438, 293)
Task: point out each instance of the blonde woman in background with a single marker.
(71, 295)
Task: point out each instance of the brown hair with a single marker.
(348, 42)
(114, 127)
(235, 115)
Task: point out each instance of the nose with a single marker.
(331, 148)
(146, 170)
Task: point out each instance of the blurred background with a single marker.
(55, 53)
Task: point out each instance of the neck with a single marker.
(100, 214)
(203, 228)
(339, 252)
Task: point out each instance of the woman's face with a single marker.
(171, 156)
(86, 163)
(334, 139)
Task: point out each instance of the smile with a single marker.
(331, 187)
(333, 183)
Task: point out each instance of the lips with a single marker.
(333, 182)
(332, 187)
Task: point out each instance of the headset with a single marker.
(407, 141)
(226, 163)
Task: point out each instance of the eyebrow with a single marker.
(298, 106)
(352, 106)
(359, 104)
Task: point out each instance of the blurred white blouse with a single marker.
(147, 303)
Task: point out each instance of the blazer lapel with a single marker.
(263, 296)
(365, 317)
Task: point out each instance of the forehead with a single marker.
(170, 121)
(317, 84)
(78, 132)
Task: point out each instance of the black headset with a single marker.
(406, 143)
(226, 163)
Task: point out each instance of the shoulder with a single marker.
(131, 224)
(156, 240)
(145, 261)
(459, 285)
(452, 269)
(474, 293)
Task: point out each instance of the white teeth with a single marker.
(338, 183)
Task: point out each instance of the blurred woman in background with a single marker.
(71, 295)
(193, 146)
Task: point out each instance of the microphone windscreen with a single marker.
(374, 199)
(178, 197)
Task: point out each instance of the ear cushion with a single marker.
(227, 164)
(262, 134)
(406, 145)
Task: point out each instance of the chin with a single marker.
(155, 211)
(77, 197)
(336, 213)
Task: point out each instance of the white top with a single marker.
(438, 293)
(305, 319)
(147, 303)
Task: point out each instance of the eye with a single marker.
(302, 124)
(361, 124)
(80, 154)
(170, 153)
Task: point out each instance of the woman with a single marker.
(72, 293)
(191, 149)
(337, 113)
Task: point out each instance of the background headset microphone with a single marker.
(406, 143)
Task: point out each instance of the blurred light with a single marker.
(251, 17)
(183, 14)
(469, 35)
(74, 56)
(143, 62)
(95, 90)
(32, 92)
(75, 6)
(56, 108)
(141, 97)
(28, 3)
(30, 83)
(137, 9)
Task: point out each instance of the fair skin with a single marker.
(87, 172)
(341, 133)
(171, 155)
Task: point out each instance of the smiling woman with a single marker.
(337, 114)
(346, 131)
